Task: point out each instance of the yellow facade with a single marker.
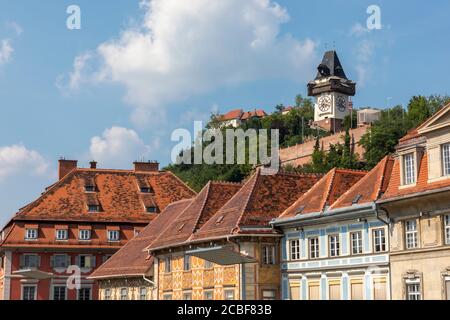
(126, 289)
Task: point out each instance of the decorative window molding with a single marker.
(413, 285)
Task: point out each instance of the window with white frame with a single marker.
(123, 294)
(409, 170)
(268, 253)
(143, 293)
(447, 228)
(31, 234)
(314, 248)
(229, 294)
(411, 234)
(29, 261)
(28, 293)
(62, 234)
(59, 293)
(379, 240)
(85, 234)
(107, 294)
(113, 235)
(295, 249)
(334, 246)
(356, 238)
(413, 291)
(84, 294)
(446, 159)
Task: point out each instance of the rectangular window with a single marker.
(168, 264)
(208, 264)
(356, 238)
(28, 293)
(268, 253)
(409, 174)
(151, 209)
(411, 234)
(314, 248)
(84, 294)
(446, 159)
(86, 261)
(334, 290)
(187, 296)
(107, 294)
(31, 234)
(295, 249)
(93, 208)
(62, 234)
(413, 291)
(60, 261)
(59, 293)
(30, 261)
(187, 263)
(167, 296)
(447, 289)
(209, 295)
(124, 294)
(143, 293)
(229, 294)
(269, 294)
(447, 228)
(333, 241)
(89, 188)
(113, 235)
(357, 289)
(379, 240)
(379, 289)
(85, 235)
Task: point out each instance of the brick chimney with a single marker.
(93, 164)
(66, 166)
(150, 166)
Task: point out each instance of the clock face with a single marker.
(341, 103)
(324, 103)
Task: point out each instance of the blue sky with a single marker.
(108, 92)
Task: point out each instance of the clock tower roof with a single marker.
(330, 66)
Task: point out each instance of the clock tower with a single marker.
(332, 91)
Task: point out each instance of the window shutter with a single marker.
(93, 261)
(22, 261)
(68, 260)
(77, 260)
(52, 261)
(38, 261)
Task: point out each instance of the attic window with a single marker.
(357, 198)
(220, 219)
(300, 209)
(89, 188)
(151, 209)
(93, 208)
(146, 189)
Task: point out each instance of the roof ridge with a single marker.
(222, 182)
(328, 190)
(387, 160)
(179, 179)
(208, 190)
(258, 174)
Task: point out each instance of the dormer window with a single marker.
(89, 188)
(113, 235)
(151, 209)
(31, 234)
(446, 159)
(146, 189)
(409, 169)
(62, 234)
(84, 235)
(93, 208)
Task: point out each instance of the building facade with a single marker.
(51, 246)
(417, 202)
(335, 246)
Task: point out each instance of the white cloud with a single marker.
(358, 30)
(18, 29)
(186, 48)
(6, 51)
(364, 52)
(17, 159)
(119, 147)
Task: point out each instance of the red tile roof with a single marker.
(325, 192)
(231, 115)
(117, 192)
(132, 259)
(261, 199)
(369, 188)
(213, 196)
(251, 114)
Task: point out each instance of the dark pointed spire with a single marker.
(330, 66)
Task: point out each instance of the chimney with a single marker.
(93, 164)
(150, 166)
(66, 166)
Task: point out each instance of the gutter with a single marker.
(413, 195)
